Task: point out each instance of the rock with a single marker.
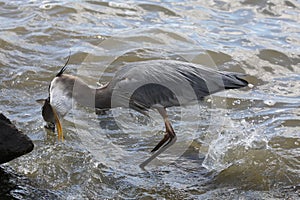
(13, 143)
(16, 186)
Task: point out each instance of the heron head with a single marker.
(58, 103)
(51, 117)
(53, 108)
(47, 113)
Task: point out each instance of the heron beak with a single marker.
(58, 125)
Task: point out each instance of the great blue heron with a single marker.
(154, 84)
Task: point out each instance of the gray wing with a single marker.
(141, 85)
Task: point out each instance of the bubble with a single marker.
(269, 102)
(238, 102)
(46, 6)
(250, 85)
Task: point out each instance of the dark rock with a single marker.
(13, 143)
(15, 186)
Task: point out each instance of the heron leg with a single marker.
(170, 134)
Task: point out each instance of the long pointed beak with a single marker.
(58, 125)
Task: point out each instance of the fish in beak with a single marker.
(60, 133)
(51, 117)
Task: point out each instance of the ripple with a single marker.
(157, 8)
(275, 57)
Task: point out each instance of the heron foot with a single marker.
(169, 136)
(157, 153)
(168, 140)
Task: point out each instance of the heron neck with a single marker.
(83, 94)
(91, 97)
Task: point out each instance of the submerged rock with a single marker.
(16, 186)
(13, 143)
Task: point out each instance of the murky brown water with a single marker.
(242, 144)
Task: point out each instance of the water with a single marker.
(241, 144)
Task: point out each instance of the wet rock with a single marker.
(15, 186)
(13, 143)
